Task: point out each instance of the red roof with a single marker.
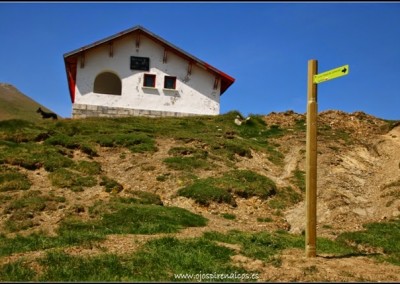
(71, 58)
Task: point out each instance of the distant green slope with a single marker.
(16, 105)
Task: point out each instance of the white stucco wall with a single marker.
(194, 94)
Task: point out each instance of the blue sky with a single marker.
(265, 46)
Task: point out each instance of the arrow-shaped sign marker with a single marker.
(331, 74)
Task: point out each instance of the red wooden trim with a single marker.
(71, 77)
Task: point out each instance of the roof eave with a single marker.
(226, 79)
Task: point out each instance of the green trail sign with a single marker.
(331, 74)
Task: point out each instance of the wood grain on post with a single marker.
(311, 161)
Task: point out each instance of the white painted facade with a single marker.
(195, 93)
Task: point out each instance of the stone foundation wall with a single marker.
(83, 111)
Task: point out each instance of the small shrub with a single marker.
(228, 216)
(163, 177)
(267, 220)
(111, 185)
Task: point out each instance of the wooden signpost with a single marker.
(311, 149)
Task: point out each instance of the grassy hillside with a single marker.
(154, 199)
(16, 105)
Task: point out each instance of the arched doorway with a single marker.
(107, 83)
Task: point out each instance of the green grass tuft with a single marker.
(186, 163)
(124, 217)
(243, 183)
(266, 220)
(246, 183)
(383, 235)
(18, 130)
(73, 180)
(12, 179)
(162, 259)
(229, 216)
(204, 191)
(284, 198)
(143, 197)
(136, 142)
(266, 246)
(88, 168)
(16, 271)
(22, 210)
(33, 156)
(299, 179)
(158, 260)
(111, 185)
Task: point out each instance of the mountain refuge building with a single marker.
(137, 73)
